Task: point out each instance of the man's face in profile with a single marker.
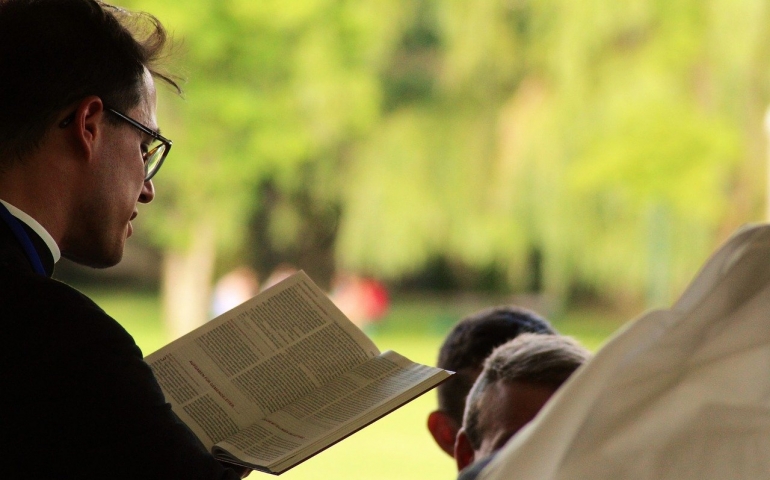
(116, 185)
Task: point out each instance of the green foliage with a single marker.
(621, 140)
(599, 133)
(273, 87)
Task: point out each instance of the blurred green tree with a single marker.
(273, 89)
(616, 142)
(619, 140)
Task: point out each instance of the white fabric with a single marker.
(677, 394)
(37, 228)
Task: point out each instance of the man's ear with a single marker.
(87, 124)
(464, 454)
(444, 430)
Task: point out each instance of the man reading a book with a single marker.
(79, 146)
(464, 349)
(518, 379)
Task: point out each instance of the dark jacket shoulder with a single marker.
(78, 400)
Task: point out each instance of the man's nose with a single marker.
(148, 192)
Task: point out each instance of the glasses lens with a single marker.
(154, 158)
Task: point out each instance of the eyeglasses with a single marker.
(153, 155)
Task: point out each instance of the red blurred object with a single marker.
(375, 298)
(362, 300)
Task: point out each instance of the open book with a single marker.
(283, 376)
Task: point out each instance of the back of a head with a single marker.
(471, 341)
(54, 53)
(539, 360)
(546, 360)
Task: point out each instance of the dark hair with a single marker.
(543, 360)
(471, 341)
(54, 53)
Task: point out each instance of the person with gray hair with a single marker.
(463, 351)
(517, 380)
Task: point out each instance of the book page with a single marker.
(257, 358)
(334, 411)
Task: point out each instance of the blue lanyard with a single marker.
(23, 238)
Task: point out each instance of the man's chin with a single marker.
(94, 261)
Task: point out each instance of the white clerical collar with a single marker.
(37, 228)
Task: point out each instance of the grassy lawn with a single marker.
(399, 445)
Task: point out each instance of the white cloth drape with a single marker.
(677, 394)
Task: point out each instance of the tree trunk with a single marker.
(186, 288)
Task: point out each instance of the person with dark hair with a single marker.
(79, 147)
(517, 380)
(464, 350)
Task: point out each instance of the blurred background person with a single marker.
(234, 288)
(363, 300)
(279, 273)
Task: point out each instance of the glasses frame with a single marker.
(157, 136)
(148, 174)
